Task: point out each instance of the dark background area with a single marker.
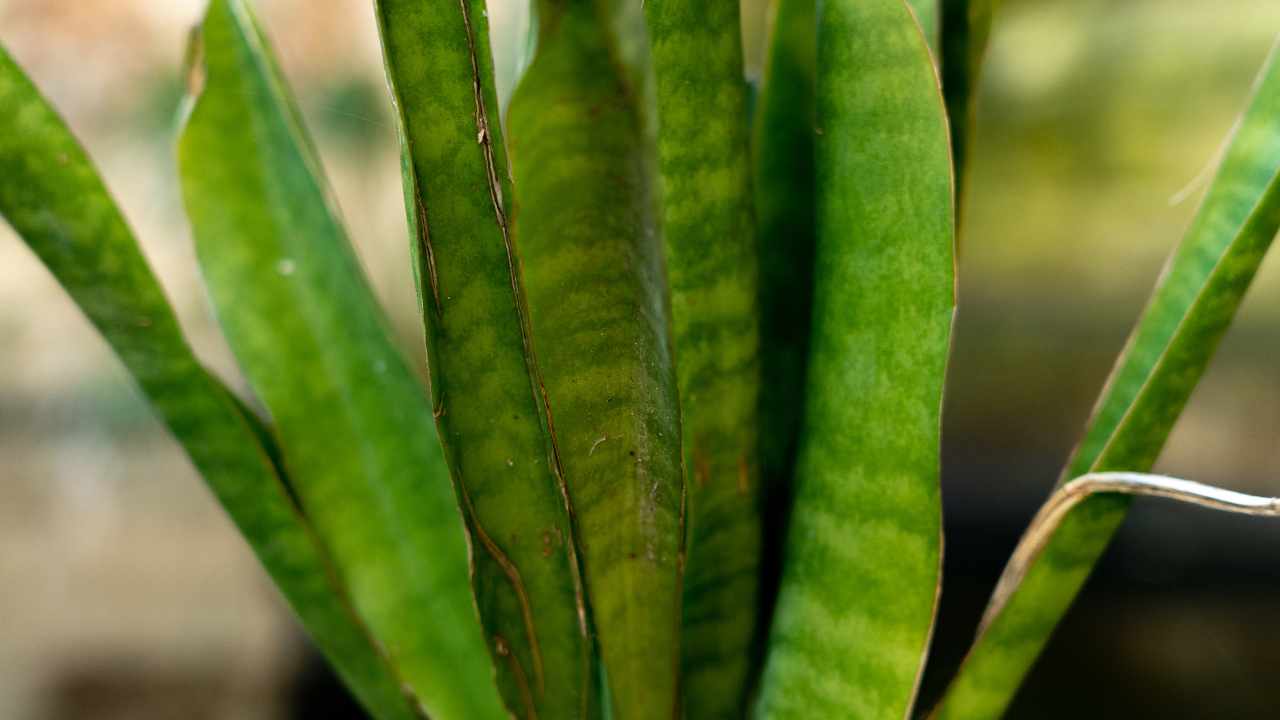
(124, 592)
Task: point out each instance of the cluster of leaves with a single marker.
(679, 443)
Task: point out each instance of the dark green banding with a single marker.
(861, 568)
(1191, 308)
(485, 396)
(586, 223)
(53, 197)
(703, 150)
(354, 424)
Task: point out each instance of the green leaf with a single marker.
(483, 378)
(783, 180)
(861, 571)
(354, 423)
(712, 263)
(965, 28)
(1189, 311)
(586, 221)
(983, 690)
(53, 197)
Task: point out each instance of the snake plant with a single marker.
(678, 451)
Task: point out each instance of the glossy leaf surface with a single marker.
(53, 197)
(354, 424)
(712, 263)
(483, 380)
(861, 571)
(1189, 311)
(581, 132)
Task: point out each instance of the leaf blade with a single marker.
(981, 689)
(581, 137)
(354, 424)
(1190, 310)
(484, 384)
(862, 562)
(712, 264)
(54, 199)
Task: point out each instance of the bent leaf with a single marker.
(586, 223)
(1040, 546)
(483, 382)
(53, 197)
(861, 571)
(711, 255)
(354, 424)
(1189, 311)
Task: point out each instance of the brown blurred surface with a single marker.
(125, 593)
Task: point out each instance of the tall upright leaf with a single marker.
(484, 382)
(581, 132)
(861, 572)
(354, 423)
(53, 197)
(1189, 311)
(712, 262)
(783, 181)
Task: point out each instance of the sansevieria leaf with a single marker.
(581, 135)
(53, 197)
(1190, 310)
(861, 567)
(704, 154)
(484, 382)
(355, 425)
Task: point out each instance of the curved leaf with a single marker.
(354, 424)
(586, 222)
(861, 571)
(1074, 494)
(972, 696)
(483, 382)
(1190, 309)
(52, 196)
(711, 255)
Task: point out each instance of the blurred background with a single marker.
(125, 593)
